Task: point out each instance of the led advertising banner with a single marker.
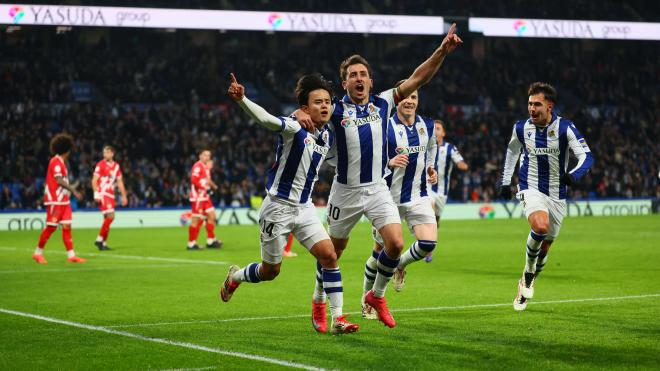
(98, 16)
(562, 28)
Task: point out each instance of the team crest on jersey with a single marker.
(422, 131)
(371, 108)
(325, 136)
(551, 133)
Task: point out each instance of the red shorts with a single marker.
(58, 214)
(200, 208)
(107, 204)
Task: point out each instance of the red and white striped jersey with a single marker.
(54, 194)
(199, 182)
(108, 173)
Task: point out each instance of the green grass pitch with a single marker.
(151, 305)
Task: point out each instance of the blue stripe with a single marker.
(448, 163)
(340, 137)
(387, 261)
(370, 277)
(253, 274)
(272, 172)
(409, 175)
(368, 268)
(563, 151)
(537, 236)
(426, 245)
(524, 167)
(582, 170)
(311, 175)
(332, 290)
(292, 163)
(331, 277)
(375, 254)
(367, 153)
(542, 162)
(386, 273)
(414, 253)
(434, 187)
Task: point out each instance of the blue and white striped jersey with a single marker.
(418, 142)
(298, 159)
(544, 157)
(360, 132)
(445, 158)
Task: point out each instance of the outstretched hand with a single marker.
(236, 91)
(451, 41)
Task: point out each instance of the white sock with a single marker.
(99, 239)
(210, 241)
(191, 243)
(39, 251)
(319, 295)
(416, 252)
(333, 288)
(70, 253)
(370, 269)
(386, 267)
(534, 241)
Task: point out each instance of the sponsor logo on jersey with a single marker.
(544, 151)
(410, 150)
(347, 122)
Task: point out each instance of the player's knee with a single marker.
(269, 272)
(328, 259)
(541, 227)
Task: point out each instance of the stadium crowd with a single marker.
(162, 97)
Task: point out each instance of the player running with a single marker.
(411, 147)
(359, 121)
(288, 207)
(544, 139)
(107, 174)
(446, 156)
(201, 187)
(56, 199)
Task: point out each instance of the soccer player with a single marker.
(544, 139)
(411, 148)
(106, 174)
(288, 207)
(359, 121)
(446, 156)
(56, 199)
(202, 207)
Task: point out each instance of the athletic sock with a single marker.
(534, 241)
(319, 295)
(386, 267)
(540, 263)
(210, 231)
(248, 274)
(68, 239)
(370, 269)
(38, 251)
(45, 235)
(417, 251)
(105, 229)
(193, 232)
(334, 290)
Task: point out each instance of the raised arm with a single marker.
(425, 71)
(261, 116)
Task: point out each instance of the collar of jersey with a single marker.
(552, 121)
(398, 121)
(346, 99)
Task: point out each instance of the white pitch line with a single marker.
(181, 344)
(78, 269)
(130, 257)
(445, 308)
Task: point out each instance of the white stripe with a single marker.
(163, 341)
(76, 269)
(130, 257)
(444, 308)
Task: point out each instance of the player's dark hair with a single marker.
(109, 147)
(309, 83)
(202, 150)
(353, 59)
(61, 144)
(438, 121)
(541, 87)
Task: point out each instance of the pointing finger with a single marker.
(233, 78)
(452, 29)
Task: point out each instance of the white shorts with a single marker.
(439, 202)
(533, 200)
(346, 205)
(277, 219)
(416, 212)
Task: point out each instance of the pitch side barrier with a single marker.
(173, 217)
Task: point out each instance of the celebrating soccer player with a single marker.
(411, 148)
(359, 121)
(446, 156)
(288, 207)
(106, 174)
(544, 139)
(202, 207)
(56, 199)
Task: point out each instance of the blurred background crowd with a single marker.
(159, 96)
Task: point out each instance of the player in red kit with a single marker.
(107, 174)
(56, 199)
(202, 207)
